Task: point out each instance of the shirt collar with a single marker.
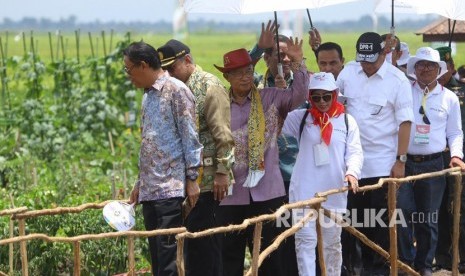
(231, 98)
(160, 82)
(196, 72)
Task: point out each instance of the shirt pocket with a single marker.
(376, 104)
(436, 113)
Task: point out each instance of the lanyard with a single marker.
(323, 123)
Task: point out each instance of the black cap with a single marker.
(172, 50)
(368, 46)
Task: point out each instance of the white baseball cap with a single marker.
(322, 81)
(428, 54)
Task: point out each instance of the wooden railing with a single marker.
(21, 214)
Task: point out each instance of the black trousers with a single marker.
(162, 214)
(234, 243)
(370, 203)
(443, 255)
(203, 255)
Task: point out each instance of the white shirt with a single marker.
(345, 157)
(443, 112)
(379, 104)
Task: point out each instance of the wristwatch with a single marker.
(402, 158)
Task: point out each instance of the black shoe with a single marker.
(462, 268)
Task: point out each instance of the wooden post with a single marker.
(319, 236)
(110, 140)
(131, 257)
(456, 224)
(180, 256)
(257, 241)
(392, 189)
(11, 248)
(77, 258)
(22, 246)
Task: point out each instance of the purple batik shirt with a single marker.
(276, 104)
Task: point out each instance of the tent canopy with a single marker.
(439, 31)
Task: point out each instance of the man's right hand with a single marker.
(266, 39)
(314, 39)
(220, 186)
(134, 197)
(280, 82)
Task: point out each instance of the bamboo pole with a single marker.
(58, 34)
(110, 139)
(91, 45)
(24, 43)
(22, 246)
(77, 34)
(141, 234)
(51, 46)
(319, 236)
(256, 247)
(456, 224)
(11, 248)
(392, 189)
(13, 211)
(77, 258)
(368, 242)
(131, 256)
(180, 256)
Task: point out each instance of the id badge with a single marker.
(321, 154)
(421, 134)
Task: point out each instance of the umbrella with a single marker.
(401, 6)
(255, 6)
(451, 9)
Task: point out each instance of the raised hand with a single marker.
(314, 39)
(280, 82)
(294, 49)
(267, 35)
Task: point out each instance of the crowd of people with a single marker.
(213, 155)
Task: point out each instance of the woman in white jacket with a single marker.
(330, 156)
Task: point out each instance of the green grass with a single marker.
(207, 49)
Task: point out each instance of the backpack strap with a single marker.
(302, 123)
(346, 120)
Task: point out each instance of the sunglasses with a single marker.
(425, 118)
(326, 98)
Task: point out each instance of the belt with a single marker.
(423, 158)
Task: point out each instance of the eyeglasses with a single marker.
(326, 98)
(425, 118)
(128, 70)
(240, 74)
(426, 65)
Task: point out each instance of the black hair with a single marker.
(328, 46)
(281, 38)
(141, 51)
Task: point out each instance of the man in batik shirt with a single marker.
(170, 153)
(203, 255)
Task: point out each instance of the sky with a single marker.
(156, 10)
